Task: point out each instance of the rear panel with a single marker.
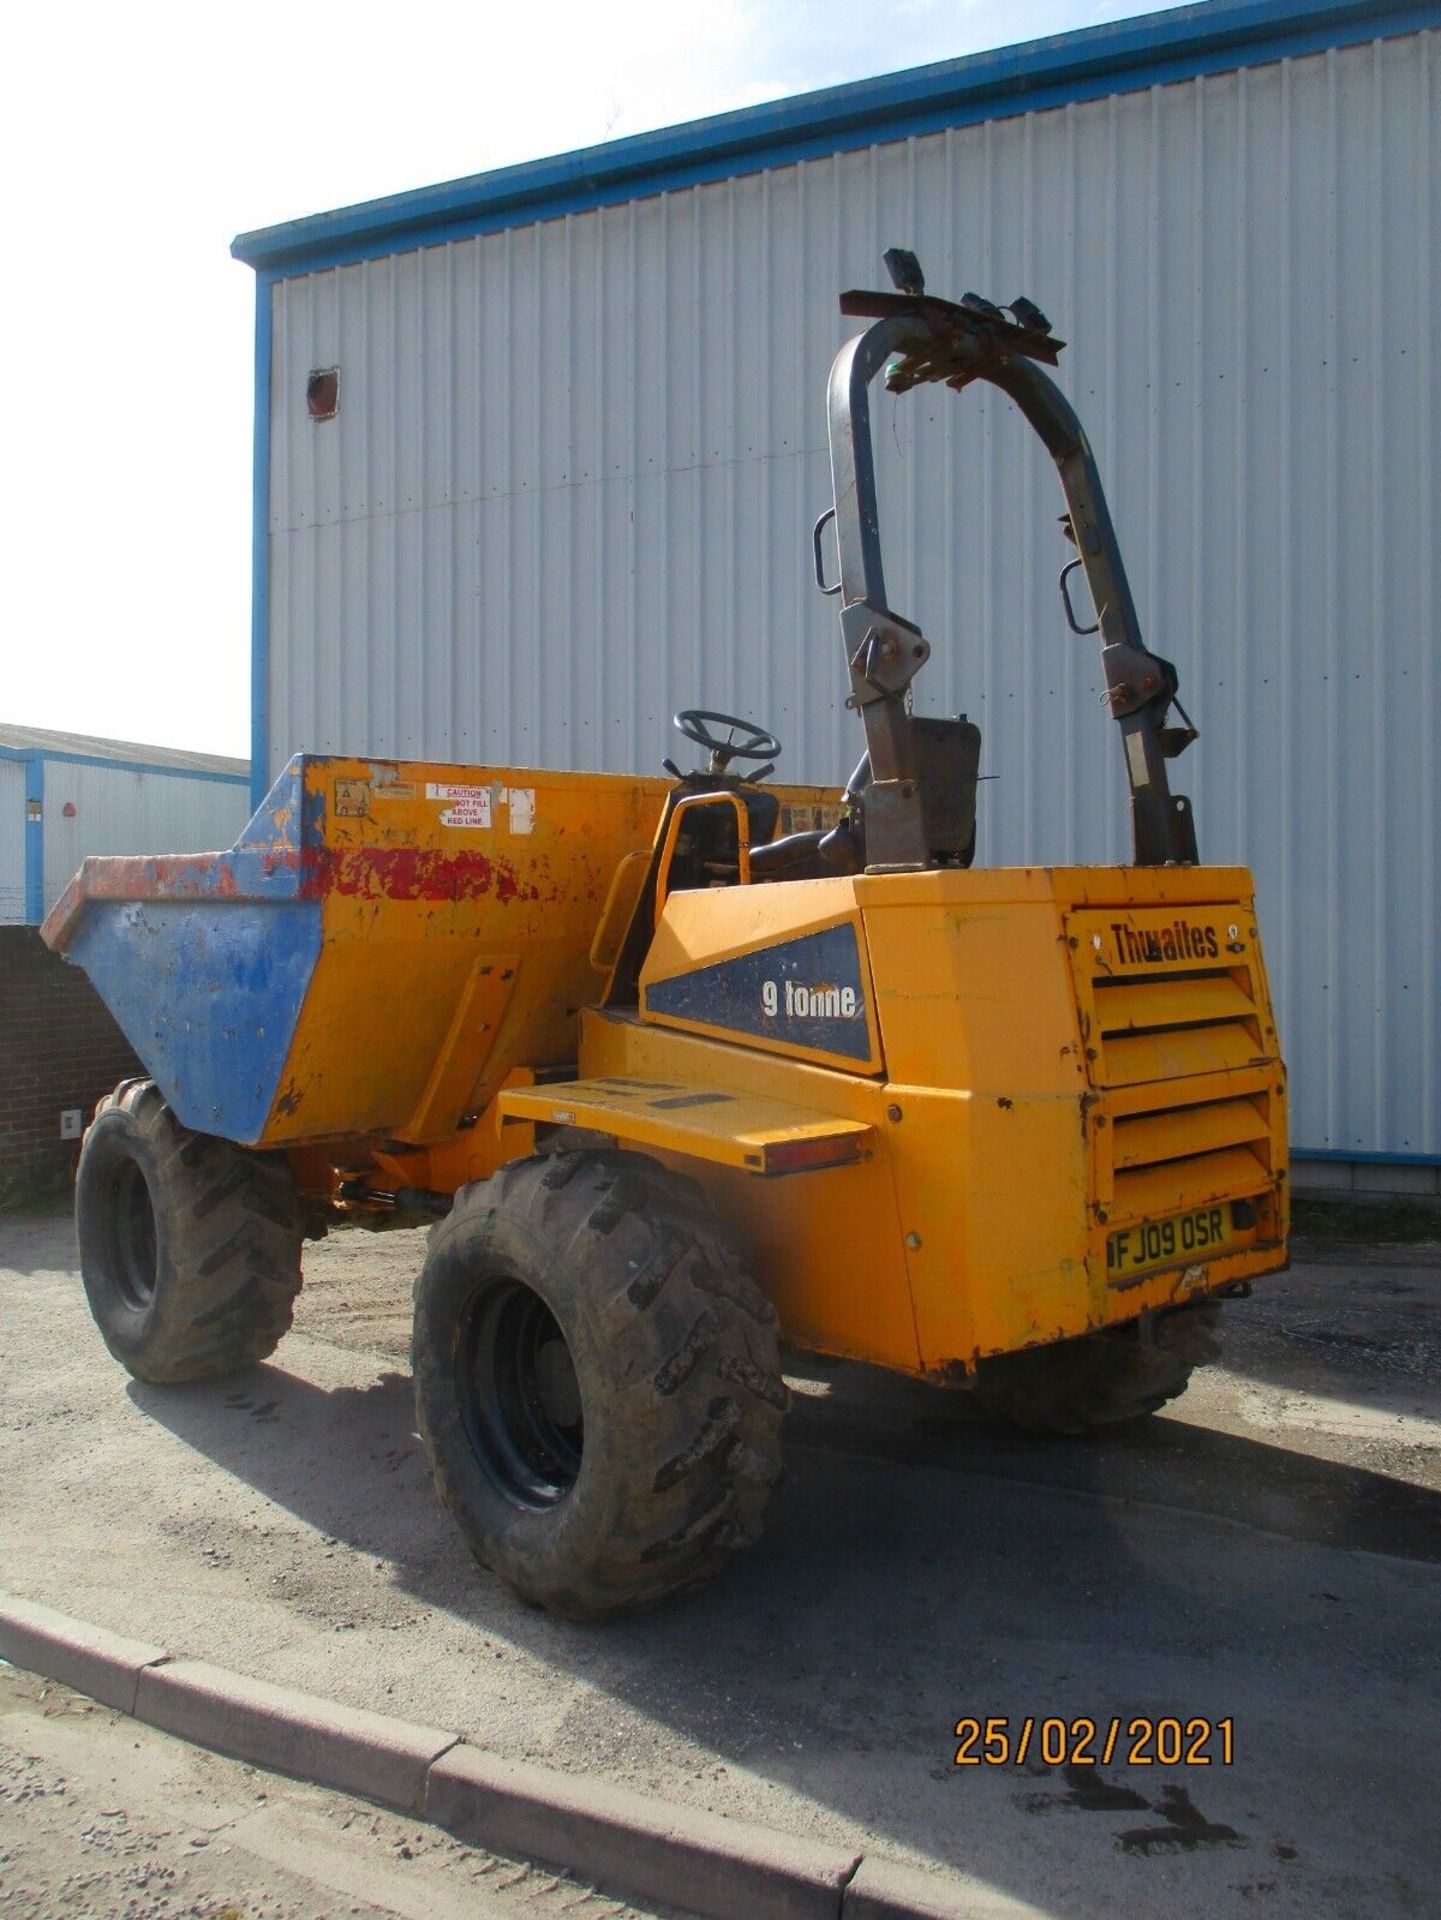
(1091, 1101)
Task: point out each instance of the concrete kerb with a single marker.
(105, 1665)
(658, 1850)
(628, 1843)
(347, 1748)
(885, 1890)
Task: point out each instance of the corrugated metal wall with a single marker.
(575, 465)
(121, 810)
(12, 843)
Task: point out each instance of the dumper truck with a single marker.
(676, 1069)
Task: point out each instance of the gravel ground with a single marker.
(104, 1818)
(1268, 1550)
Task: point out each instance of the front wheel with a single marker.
(597, 1381)
(189, 1245)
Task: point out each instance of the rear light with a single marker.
(799, 1156)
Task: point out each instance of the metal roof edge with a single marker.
(1135, 53)
(129, 756)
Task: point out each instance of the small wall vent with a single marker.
(322, 393)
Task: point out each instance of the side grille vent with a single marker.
(1180, 1045)
(1167, 1029)
(1166, 1026)
(1173, 1156)
(1187, 1097)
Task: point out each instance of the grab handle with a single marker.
(820, 527)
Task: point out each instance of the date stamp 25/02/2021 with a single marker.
(1005, 1740)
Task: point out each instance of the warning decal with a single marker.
(468, 806)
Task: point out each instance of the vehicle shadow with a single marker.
(1167, 1462)
(918, 1567)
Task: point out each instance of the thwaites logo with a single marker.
(1148, 946)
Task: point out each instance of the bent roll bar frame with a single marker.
(925, 339)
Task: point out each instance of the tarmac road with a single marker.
(1269, 1552)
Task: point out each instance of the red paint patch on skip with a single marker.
(409, 873)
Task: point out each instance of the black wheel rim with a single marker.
(133, 1251)
(519, 1395)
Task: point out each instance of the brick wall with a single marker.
(58, 1048)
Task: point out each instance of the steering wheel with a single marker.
(754, 743)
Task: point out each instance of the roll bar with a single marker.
(919, 338)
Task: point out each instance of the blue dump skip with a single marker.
(204, 960)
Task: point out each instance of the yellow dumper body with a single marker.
(956, 1113)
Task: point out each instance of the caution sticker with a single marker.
(466, 806)
(352, 797)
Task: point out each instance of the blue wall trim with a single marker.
(1120, 56)
(124, 766)
(260, 549)
(1349, 1154)
(34, 837)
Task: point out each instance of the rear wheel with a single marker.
(1103, 1379)
(597, 1381)
(189, 1245)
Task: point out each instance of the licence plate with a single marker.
(1155, 1242)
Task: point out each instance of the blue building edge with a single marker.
(1119, 57)
(34, 839)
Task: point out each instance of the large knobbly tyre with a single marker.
(597, 1381)
(1102, 1379)
(189, 1245)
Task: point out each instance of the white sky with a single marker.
(137, 140)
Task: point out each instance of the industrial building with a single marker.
(63, 796)
(66, 795)
(538, 454)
